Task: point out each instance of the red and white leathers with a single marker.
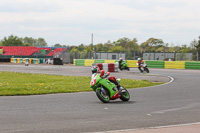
(140, 62)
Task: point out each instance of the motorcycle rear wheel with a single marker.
(125, 96)
(103, 97)
(128, 69)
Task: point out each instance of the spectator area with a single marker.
(28, 51)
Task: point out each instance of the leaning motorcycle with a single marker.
(144, 67)
(106, 90)
(124, 66)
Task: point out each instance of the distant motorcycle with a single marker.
(124, 66)
(144, 67)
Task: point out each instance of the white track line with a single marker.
(172, 79)
(158, 127)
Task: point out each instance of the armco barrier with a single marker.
(88, 62)
(155, 64)
(192, 65)
(174, 65)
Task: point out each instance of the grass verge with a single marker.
(14, 83)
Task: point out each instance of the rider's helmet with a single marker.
(95, 69)
(139, 59)
(120, 59)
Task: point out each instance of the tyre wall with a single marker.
(192, 65)
(108, 67)
(150, 64)
(32, 60)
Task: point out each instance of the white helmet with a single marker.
(139, 59)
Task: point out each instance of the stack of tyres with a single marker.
(108, 67)
(111, 67)
(100, 65)
(116, 67)
(57, 61)
(31, 60)
(14, 60)
(21, 60)
(18, 60)
(105, 67)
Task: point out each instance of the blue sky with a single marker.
(72, 22)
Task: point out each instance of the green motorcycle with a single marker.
(124, 66)
(106, 90)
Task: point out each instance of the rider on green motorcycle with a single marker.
(95, 70)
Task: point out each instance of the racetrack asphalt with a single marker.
(177, 103)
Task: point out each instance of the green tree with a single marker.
(122, 42)
(57, 45)
(12, 41)
(152, 44)
(193, 44)
(116, 49)
(29, 41)
(197, 46)
(144, 47)
(132, 45)
(99, 47)
(41, 42)
(185, 49)
(107, 46)
(81, 47)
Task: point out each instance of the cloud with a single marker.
(71, 22)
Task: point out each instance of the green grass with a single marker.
(13, 83)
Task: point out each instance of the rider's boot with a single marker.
(120, 88)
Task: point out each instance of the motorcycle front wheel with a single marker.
(125, 96)
(103, 96)
(146, 69)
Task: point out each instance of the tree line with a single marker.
(130, 46)
(121, 45)
(26, 41)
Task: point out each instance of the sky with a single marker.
(72, 22)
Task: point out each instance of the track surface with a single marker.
(170, 104)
